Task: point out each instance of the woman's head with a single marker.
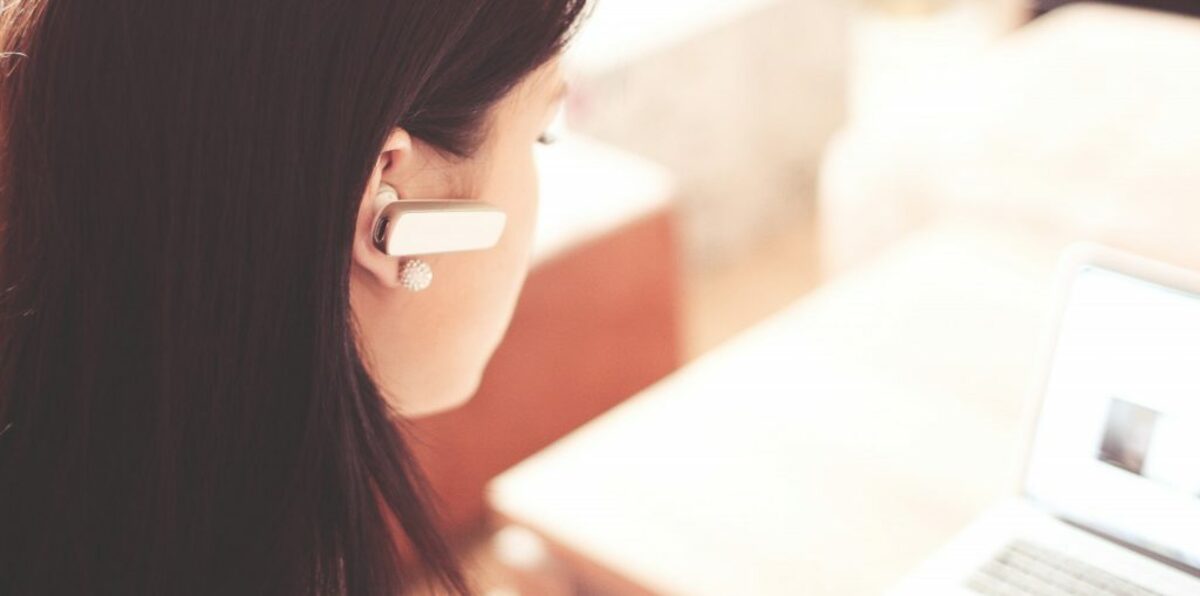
(427, 350)
(199, 344)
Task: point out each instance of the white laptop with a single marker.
(1111, 491)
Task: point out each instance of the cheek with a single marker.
(526, 212)
(508, 264)
(514, 188)
(520, 202)
(479, 291)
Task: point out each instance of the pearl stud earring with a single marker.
(415, 275)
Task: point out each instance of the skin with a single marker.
(427, 350)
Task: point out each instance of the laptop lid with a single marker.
(1117, 443)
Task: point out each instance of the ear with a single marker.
(392, 167)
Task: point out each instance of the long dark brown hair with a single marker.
(183, 403)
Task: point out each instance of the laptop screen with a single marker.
(1117, 446)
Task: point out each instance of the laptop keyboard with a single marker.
(1028, 569)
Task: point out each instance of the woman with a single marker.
(204, 353)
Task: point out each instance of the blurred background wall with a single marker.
(737, 98)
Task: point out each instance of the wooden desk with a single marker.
(826, 451)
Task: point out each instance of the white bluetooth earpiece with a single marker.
(407, 228)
